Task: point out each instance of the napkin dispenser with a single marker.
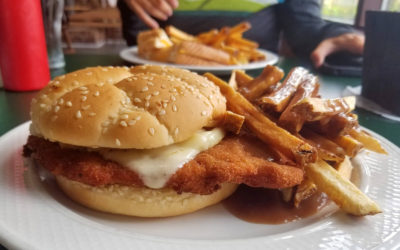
(381, 66)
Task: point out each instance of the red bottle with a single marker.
(23, 55)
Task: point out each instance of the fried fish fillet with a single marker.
(236, 159)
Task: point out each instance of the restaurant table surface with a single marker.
(14, 106)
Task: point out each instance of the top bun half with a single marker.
(120, 107)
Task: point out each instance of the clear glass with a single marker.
(52, 20)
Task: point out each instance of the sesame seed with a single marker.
(100, 84)
(162, 112)
(176, 131)
(56, 83)
(89, 73)
(56, 108)
(145, 88)
(75, 83)
(156, 93)
(83, 98)
(123, 124)
(44, 96)
(109, 80)
(138, 118)
(137, 100)
(129, 79)
(62, 77)
(203, 113)
(86, 107)
(145, 77)
(42, 105)
(85, 92)
(151, 131)
(69, 104)
(104, 69)
(75, 74)
(61, 101)
(78, 114)
(125, 116)
(83, 88)
(174, 108)
(117, 142)
(54, 118)
(147, 97)
(163, 86)
(105, 124)
(131, 122)
(173, 98)
(147, 104)
(92, 114)
(97, 93)
(165, 105)
(134, 78)
(150, 83)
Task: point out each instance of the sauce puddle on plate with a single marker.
(265, 206)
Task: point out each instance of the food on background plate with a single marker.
(305, 130)
(148, 141)
(213, 48)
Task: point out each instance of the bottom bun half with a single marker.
(142, 202)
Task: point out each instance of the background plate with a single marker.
(34, 214)
(130, 54)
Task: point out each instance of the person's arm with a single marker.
(309, 35)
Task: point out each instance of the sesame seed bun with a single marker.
(141, 202)
(120, 107)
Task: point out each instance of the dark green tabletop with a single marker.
(14, 106)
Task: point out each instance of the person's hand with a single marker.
(147, 9)
(350, 42)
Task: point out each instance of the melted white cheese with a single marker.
(156, 166)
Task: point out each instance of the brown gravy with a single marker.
(265, 206)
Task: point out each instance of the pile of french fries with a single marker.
(318, 135)
(228, 40)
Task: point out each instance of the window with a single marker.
(343, 11)
(391, 5)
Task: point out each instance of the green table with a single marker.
(14, 106)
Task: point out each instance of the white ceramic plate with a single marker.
(131, 55)
(34, 214)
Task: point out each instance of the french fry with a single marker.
(241, 43)
(345, 168)
(308, 88)
(240, 28)
(263, 127)
(314, 109)
(242, 79)
(336, 125)
(233, 122)
(279, 99)
(258, 86)
(303, 191)
(344, 193)
(178, 35)
(287, 194)
(367, 141)
(232, 81)
(207, 37)
(349, 144)
(327, 149)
